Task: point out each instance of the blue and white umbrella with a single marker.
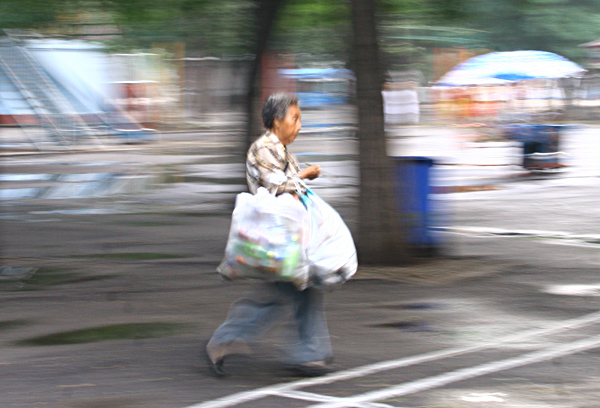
(498, 68)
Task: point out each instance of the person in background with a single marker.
(270, 165)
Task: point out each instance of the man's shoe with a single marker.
(312, 369)
(215, 367)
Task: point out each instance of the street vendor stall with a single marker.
(520, 72)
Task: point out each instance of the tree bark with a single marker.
(381, 234)
(265, 17)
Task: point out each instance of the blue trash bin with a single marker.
(548, 151)
(540, 144)
(413, 191)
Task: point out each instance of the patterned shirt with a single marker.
(270, 165)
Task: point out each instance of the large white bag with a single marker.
(267, 239)
(331, 252)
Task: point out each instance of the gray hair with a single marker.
(276, 107)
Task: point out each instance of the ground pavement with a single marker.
(109, 290)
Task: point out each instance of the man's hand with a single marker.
(311, 172)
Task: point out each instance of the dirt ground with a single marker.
(106, 301)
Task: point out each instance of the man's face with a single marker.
(288, 128)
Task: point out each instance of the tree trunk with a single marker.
(265, 17)
(381, 235)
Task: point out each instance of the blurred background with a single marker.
(127, 67)
(123, 131)
(464, 93)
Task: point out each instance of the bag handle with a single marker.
(299, 183)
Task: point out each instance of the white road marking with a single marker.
(283, 388)
(464, 374)
(484, 397)
(309, 396)
(574, 290)
(555, 237)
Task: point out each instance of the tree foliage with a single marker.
(322, 27)
(549, 25)
(30, 13)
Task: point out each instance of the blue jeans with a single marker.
(252, 316)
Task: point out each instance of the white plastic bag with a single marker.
(267, 239)
(330, 251)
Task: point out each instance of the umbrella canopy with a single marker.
(498, 68)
